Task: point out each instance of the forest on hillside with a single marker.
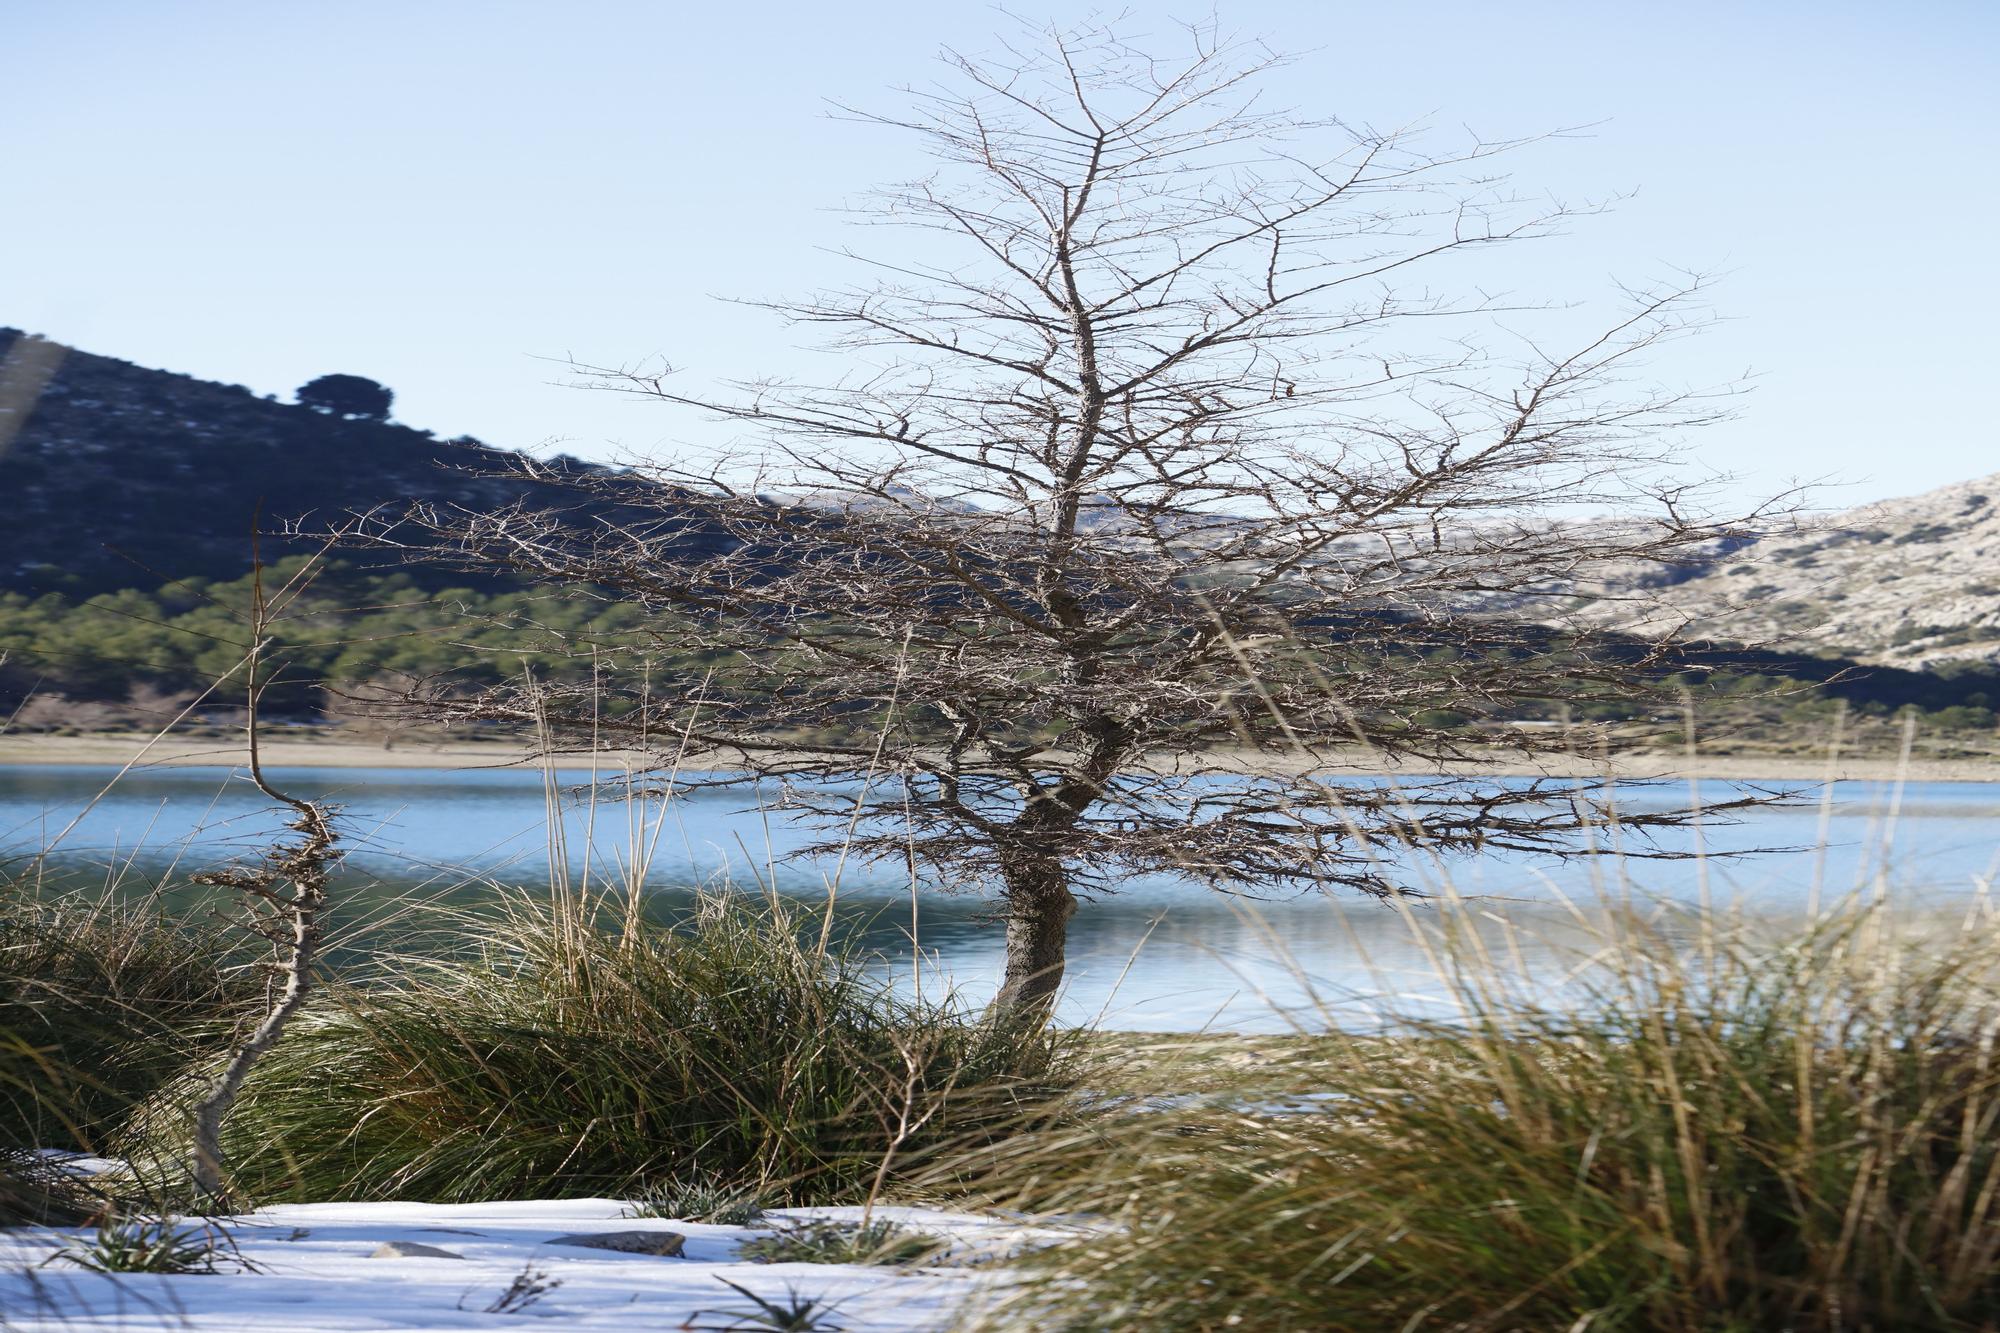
(355, 638)
(133, 657)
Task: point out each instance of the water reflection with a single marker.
(1158, 954)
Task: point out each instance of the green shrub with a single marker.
(583, 1057)
(1730, 1139)
(1963, 717)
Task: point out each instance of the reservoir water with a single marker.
(1159, 954)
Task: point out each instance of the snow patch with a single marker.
(312, 1268)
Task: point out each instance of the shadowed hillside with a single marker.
(119, 477)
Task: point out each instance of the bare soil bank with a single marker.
(326, 752)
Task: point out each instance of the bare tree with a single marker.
(1167, 492)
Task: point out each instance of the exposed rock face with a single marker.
(1912, 582)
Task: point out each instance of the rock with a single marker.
(665, 1244)
(409, 1249)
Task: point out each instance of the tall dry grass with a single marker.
(108, 994)
(577, 1052)
(1729, 1133)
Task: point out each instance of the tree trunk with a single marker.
(1039, 906)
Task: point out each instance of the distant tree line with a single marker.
(125, 657)
(349, 629)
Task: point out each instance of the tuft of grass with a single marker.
(581, 1054)
(698, 1201)
(105, 999)
(1728, 1136)
(145, 1245)
(826, 1241)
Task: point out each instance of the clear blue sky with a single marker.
(440, 193)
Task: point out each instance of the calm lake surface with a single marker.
(1160, 954)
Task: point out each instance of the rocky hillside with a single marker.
(1912, 582)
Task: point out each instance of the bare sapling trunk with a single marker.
(285, 893)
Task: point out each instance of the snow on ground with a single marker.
(309, 1269)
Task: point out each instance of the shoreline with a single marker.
(117, 749)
